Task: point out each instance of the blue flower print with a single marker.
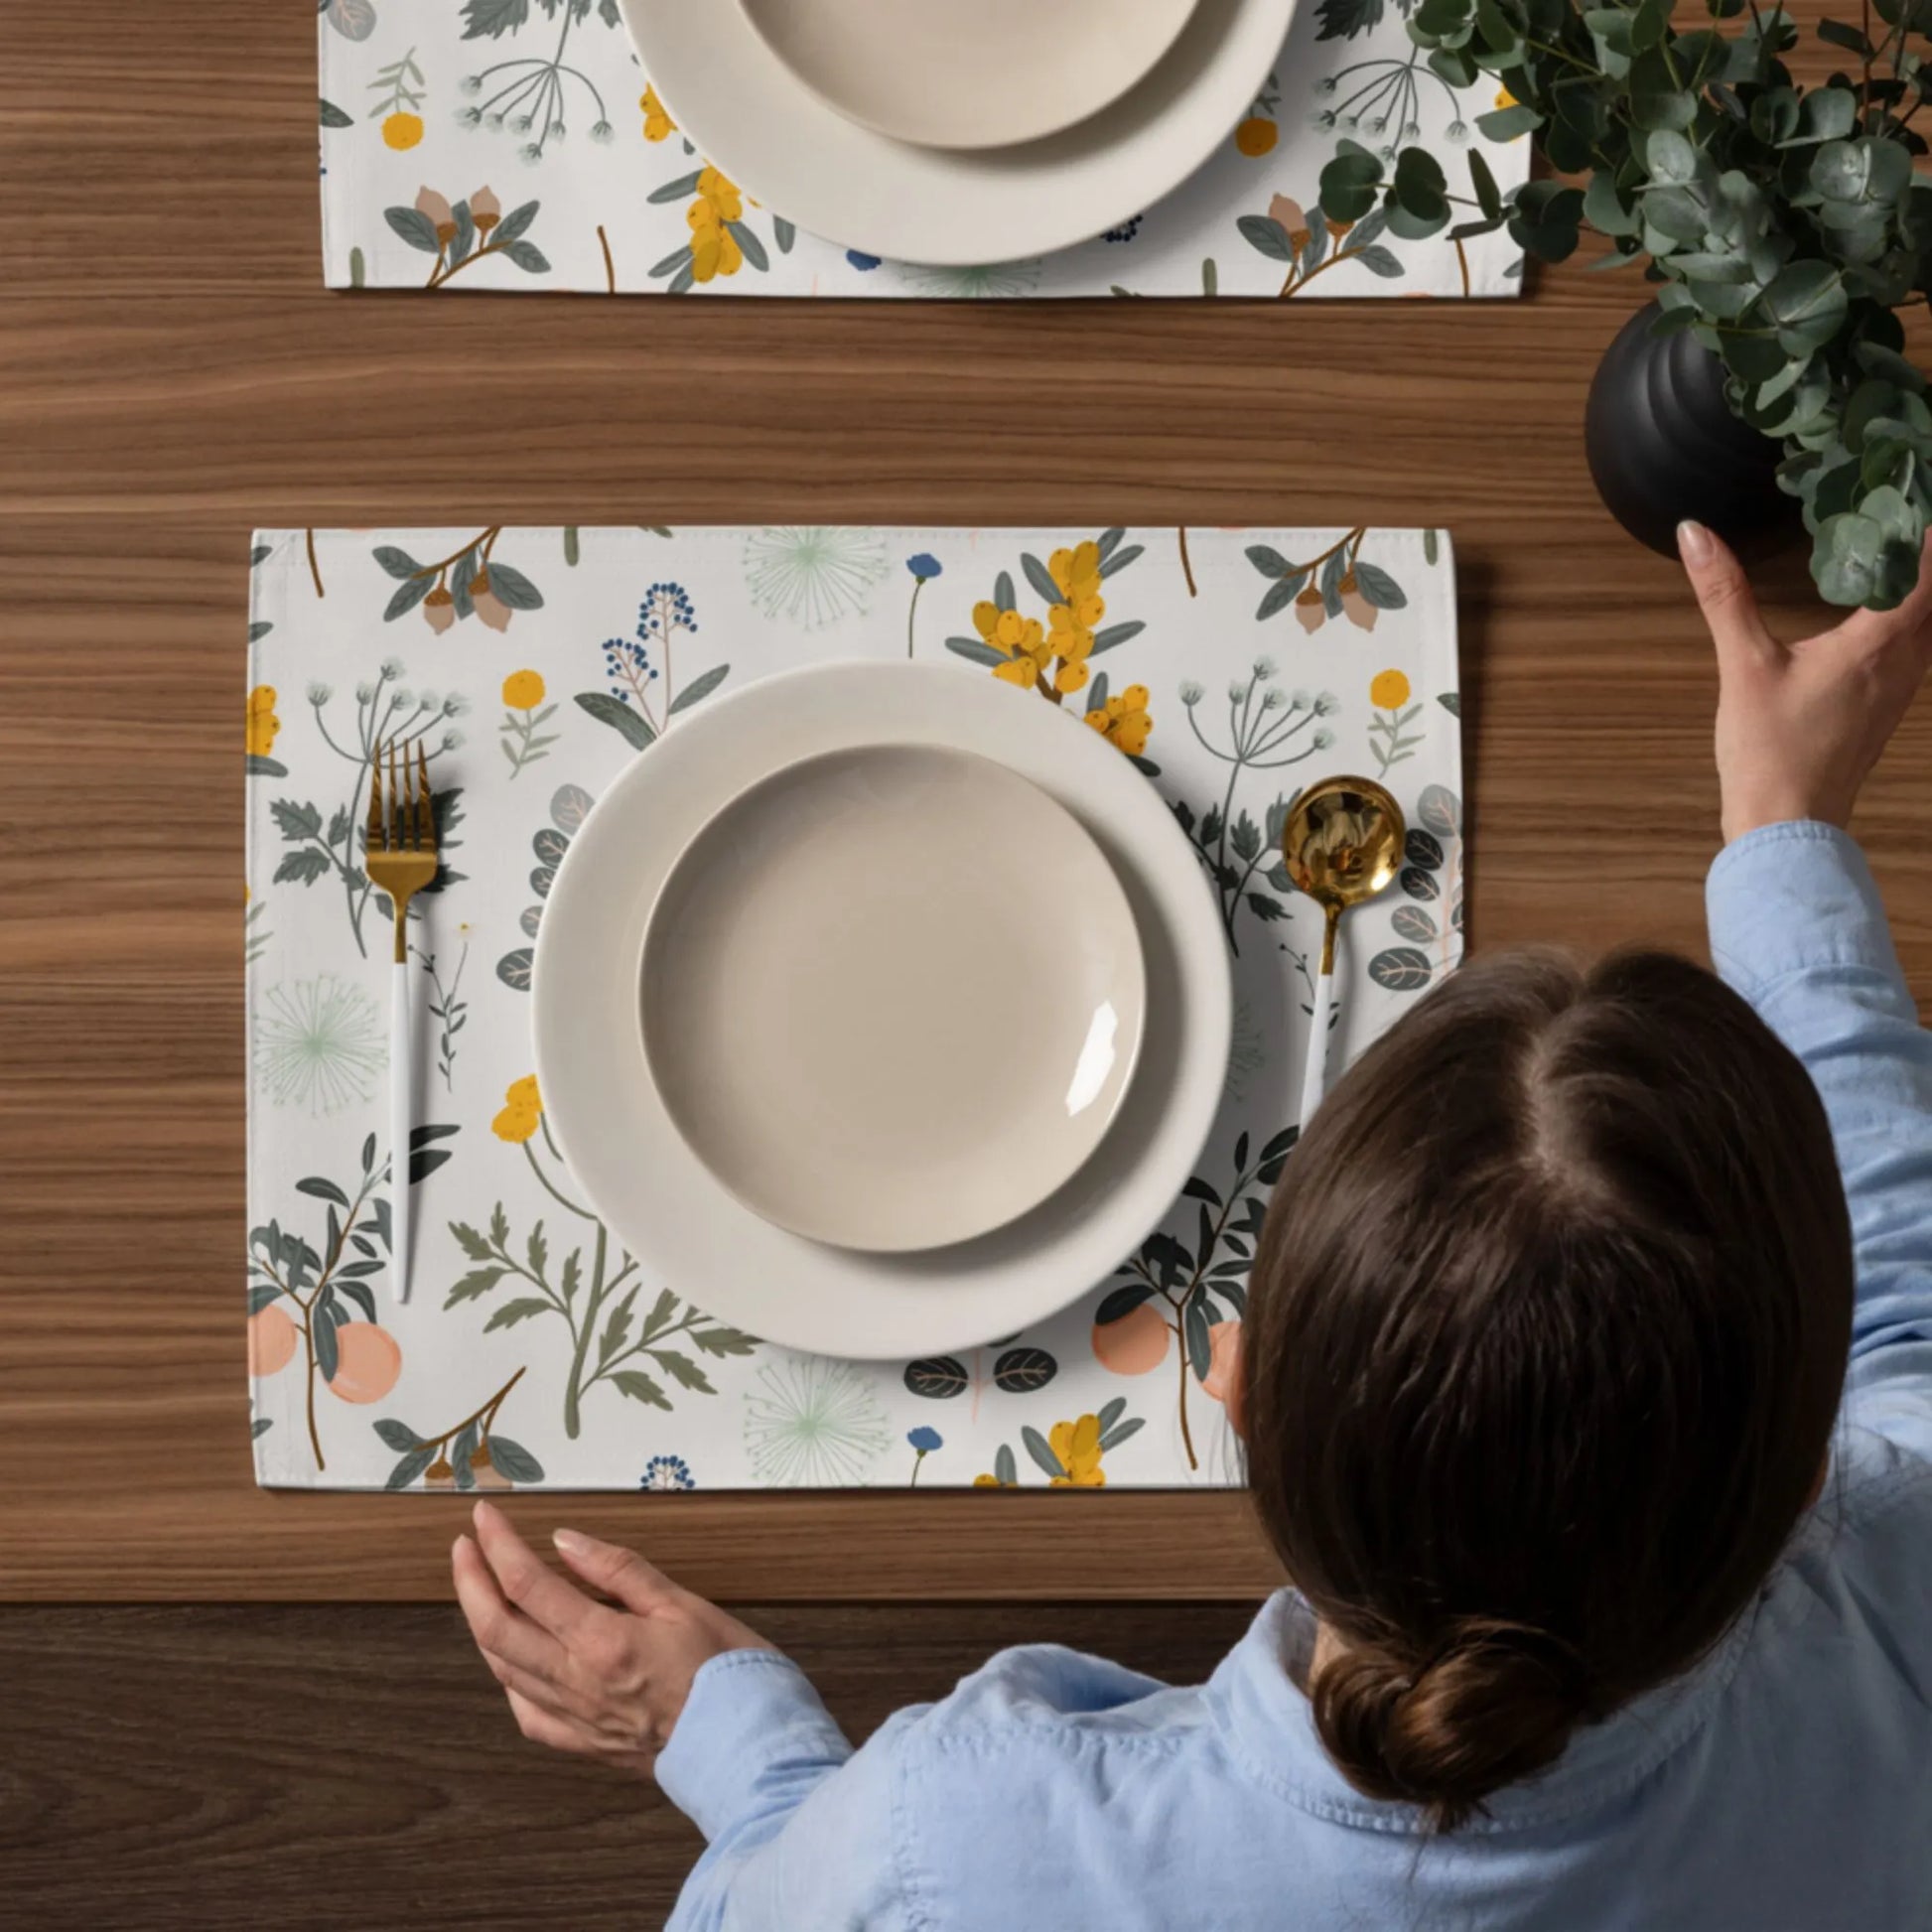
(628, 669)
(667, 609)
(667, 1473)
(924, 1440)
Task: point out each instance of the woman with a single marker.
(1593, 1428)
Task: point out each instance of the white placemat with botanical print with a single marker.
(515, 144)
(531, 665)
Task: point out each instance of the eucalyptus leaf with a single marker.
(1860, 172)
(1604, 208)
(1676, 211)
(1752, 353)
(1805, 304)
(1502, 124)
(1672, 158)
(1859, 561)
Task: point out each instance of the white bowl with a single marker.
(891, 996)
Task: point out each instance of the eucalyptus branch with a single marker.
(1782, 225)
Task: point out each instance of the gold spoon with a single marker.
(1343, 844)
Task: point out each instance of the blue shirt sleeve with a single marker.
(1798, 928)
(807, 1834)
(800, 1827)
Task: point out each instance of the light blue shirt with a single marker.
(1784, 1785)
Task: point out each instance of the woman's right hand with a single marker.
(1800, 726)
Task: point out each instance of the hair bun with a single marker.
(1492, 1704)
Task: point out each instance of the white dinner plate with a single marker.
(986, 75)
(891, 996)
(661, 1202)
(750, 116)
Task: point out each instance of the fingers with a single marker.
(529, 1583)
(1724, 594)
(1870, 630)
(498, 1629)
(542, 1727)
(559, 1699)
(619, 1572)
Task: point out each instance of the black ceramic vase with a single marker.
(1663, 446)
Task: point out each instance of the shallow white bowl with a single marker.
(892, 996)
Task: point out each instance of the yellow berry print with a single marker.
(1124, 720)
(262, 721)
(715, 249)
(1052, 655)
(522, 1111)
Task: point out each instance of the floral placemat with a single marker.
(516, 144)
(531, 665)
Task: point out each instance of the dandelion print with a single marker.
(813, 1424)
(994, 281)
(318, 1044)
(812, 576)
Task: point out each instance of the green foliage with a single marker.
(1782, 225)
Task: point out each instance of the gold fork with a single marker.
(401, 861)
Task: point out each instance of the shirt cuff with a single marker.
(748, 1713)
(1789, 897)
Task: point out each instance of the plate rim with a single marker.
(1083, 1233)
(1263, 23)
(1110, 888)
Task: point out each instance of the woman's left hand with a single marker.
(583, 1675)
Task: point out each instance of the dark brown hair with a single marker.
(1545, 1340)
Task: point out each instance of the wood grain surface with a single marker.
(172, 373)
(338, 1768)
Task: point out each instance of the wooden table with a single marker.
(172, 373)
